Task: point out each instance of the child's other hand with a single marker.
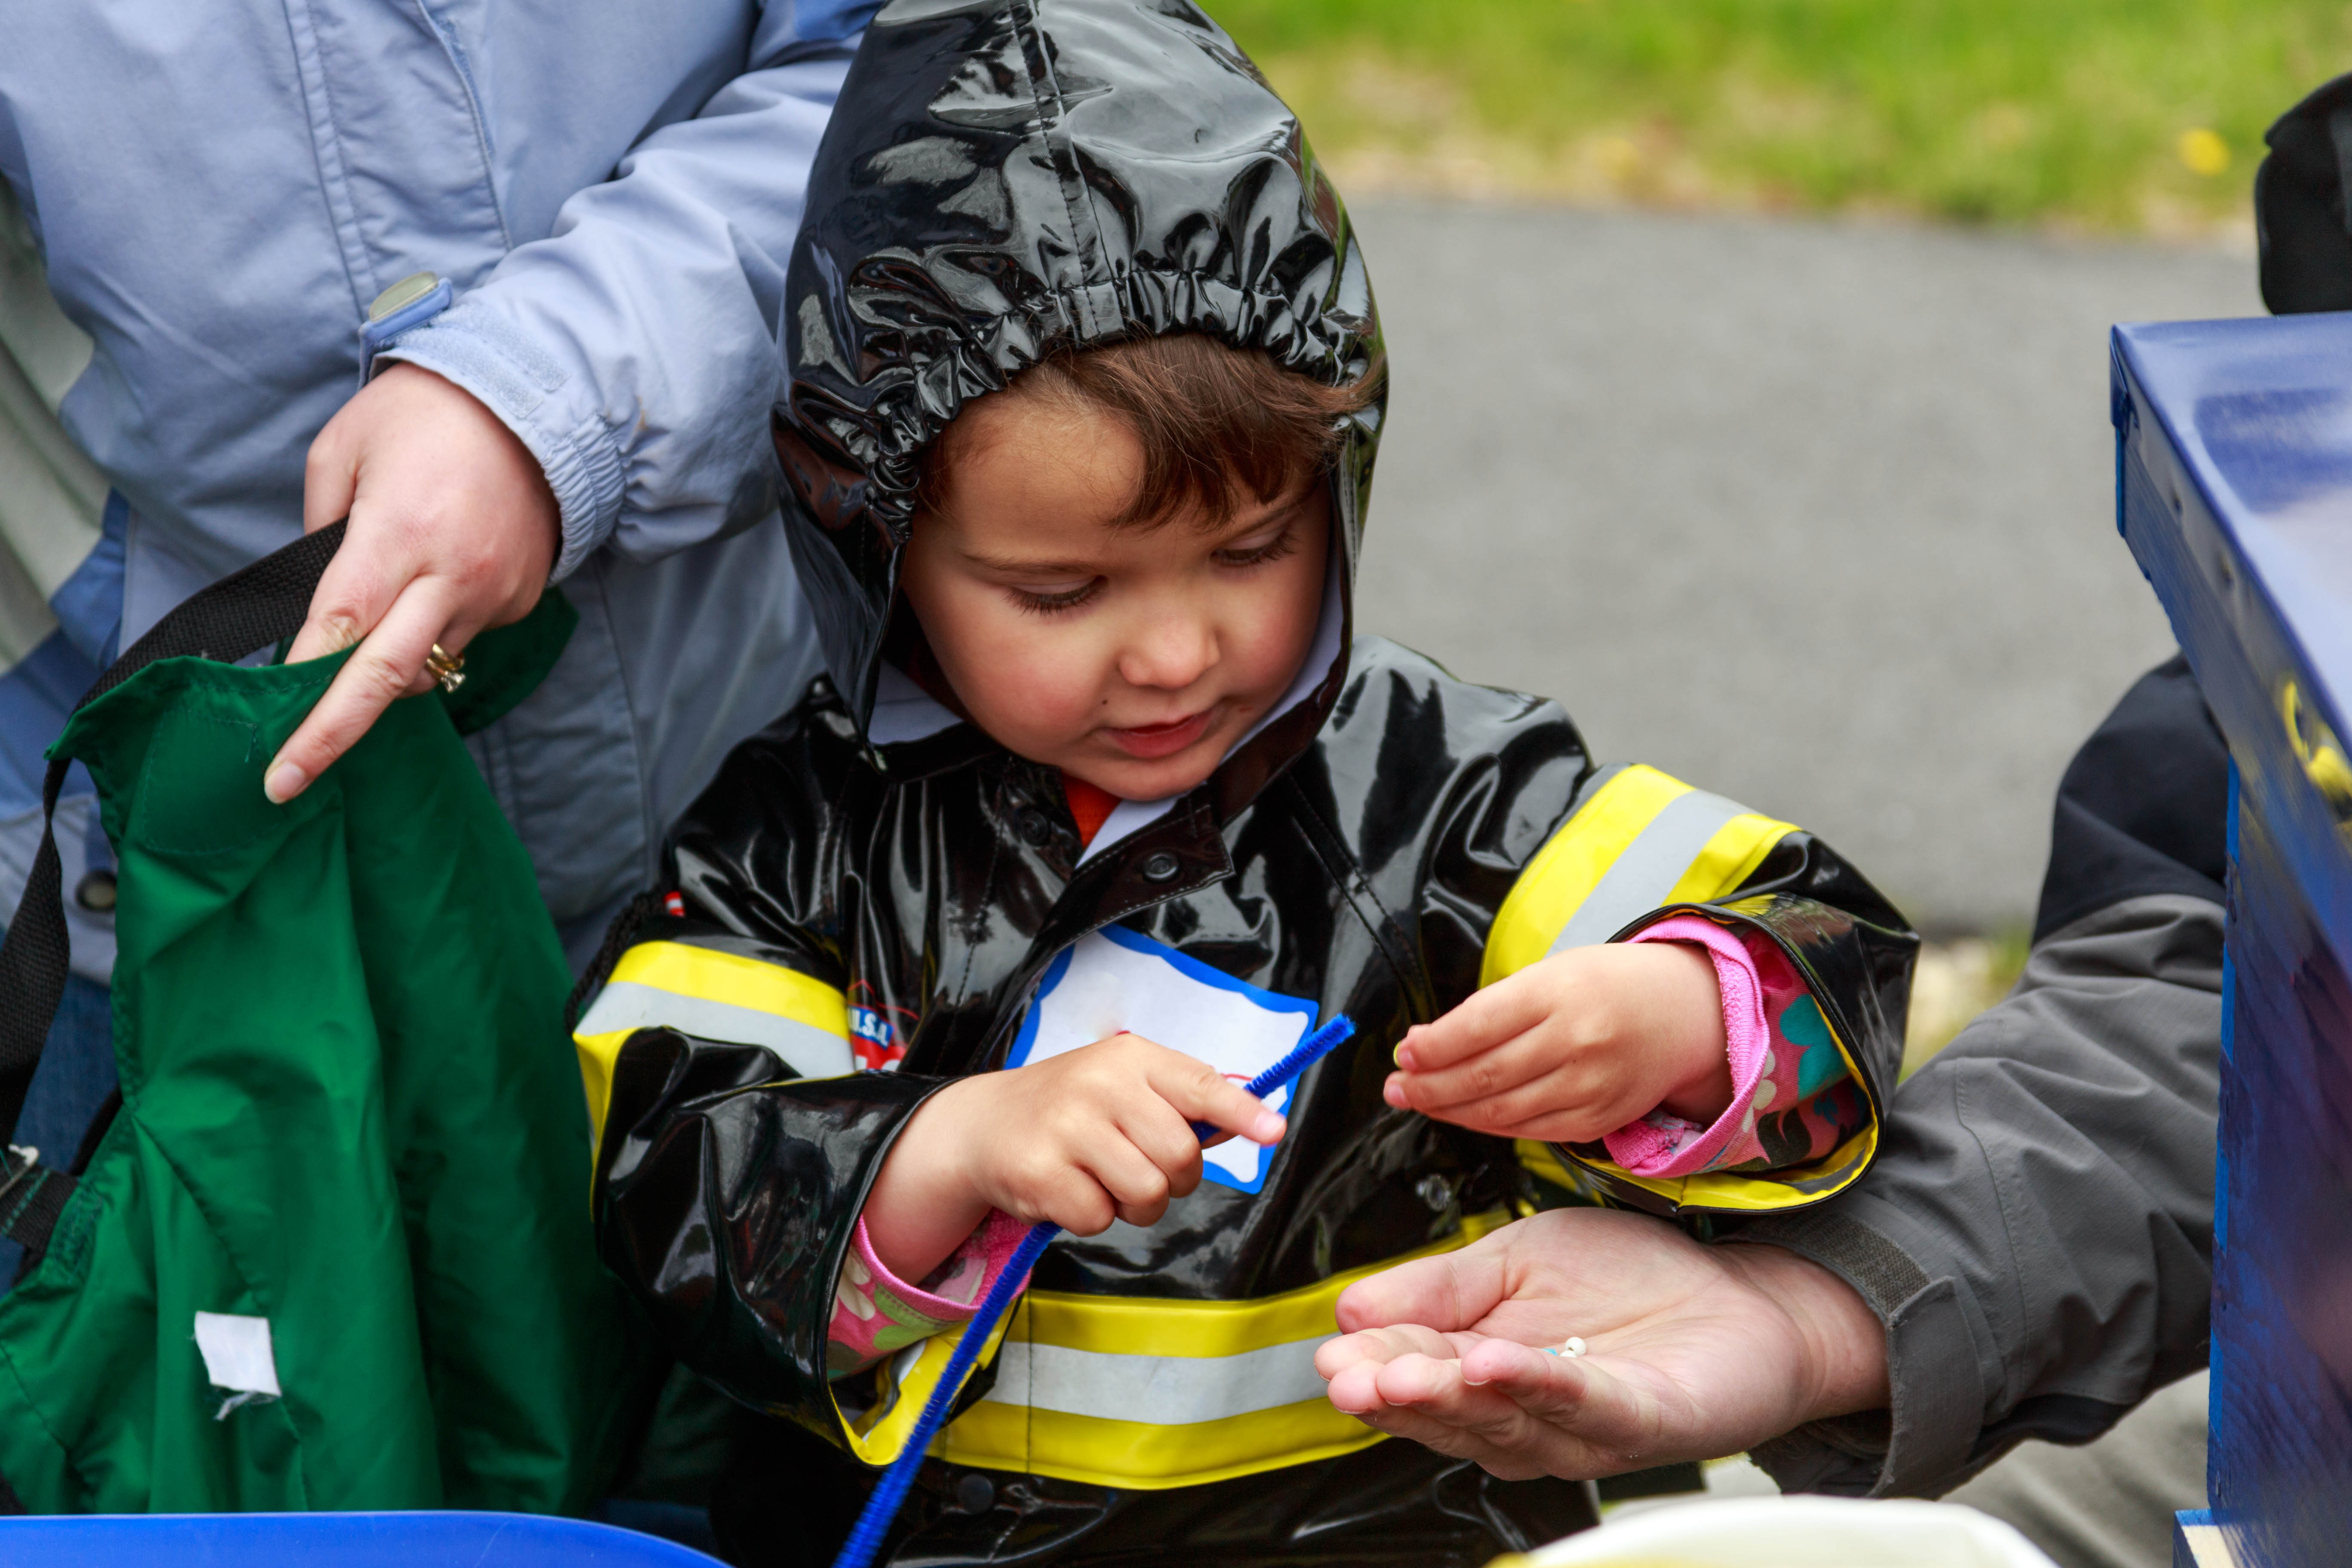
(1099, 1133)
(1574, 1047)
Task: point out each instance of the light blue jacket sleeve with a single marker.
(637, 351)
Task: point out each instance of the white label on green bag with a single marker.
(237, 1352)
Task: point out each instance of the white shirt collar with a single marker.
(904, 711)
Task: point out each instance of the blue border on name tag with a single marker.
(1192, 969)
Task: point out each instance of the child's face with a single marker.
(1132, 657)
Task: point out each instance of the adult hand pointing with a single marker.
(1693, 1351)
(452, 530)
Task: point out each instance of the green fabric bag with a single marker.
(352, 1133)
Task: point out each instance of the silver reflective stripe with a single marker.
(811, 1052)
(1157, 1390)
(1648, 869)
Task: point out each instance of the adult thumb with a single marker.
(1448, 1293)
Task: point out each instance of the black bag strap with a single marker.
(242, 613)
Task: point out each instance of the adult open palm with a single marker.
(452, 530)
(1693, 1351)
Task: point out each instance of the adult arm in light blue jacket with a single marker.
(634, 353)
(636, 350)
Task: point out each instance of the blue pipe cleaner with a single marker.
(874, 1523)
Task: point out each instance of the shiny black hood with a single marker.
(1003, 178)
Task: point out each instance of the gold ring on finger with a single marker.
(449, 670)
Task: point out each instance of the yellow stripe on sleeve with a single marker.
(718, 996)
(1644, 840)
(1729, 858)
(1730, 1191)
(684, 970)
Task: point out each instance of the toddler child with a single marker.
(1108, 807)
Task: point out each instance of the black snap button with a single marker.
(974, 1493)
(1034, 828)
(1159, 868)
(95, 892)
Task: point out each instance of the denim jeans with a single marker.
(76, 1075)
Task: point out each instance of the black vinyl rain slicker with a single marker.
(1004, 177)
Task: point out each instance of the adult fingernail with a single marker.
(1269, 1127)
(284, 783)
(1393, 1091)
(1403, 1054)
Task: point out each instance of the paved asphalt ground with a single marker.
(1819, 516)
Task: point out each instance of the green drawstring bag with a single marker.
(332, 1251)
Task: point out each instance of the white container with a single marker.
(1795, 1532)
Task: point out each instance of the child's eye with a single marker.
(1259, 554)
(1038, 604)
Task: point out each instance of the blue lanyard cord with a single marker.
(882, 1507)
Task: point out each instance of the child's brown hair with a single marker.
(1218, 426)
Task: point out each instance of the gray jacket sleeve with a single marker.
(2037, 1233)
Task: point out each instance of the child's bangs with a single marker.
(1222, 429)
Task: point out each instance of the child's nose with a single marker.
(1169, 651)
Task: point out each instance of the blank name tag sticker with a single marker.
(1115, 979)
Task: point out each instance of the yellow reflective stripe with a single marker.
(1729, 858)
(878, 1443)
(1142, 1458)
(1644, 840)
(688, 970)
(1000, 1434)
(772, 1001)
(598, 1053)
(1566, 869)
(1543, 1160)
(1794, 1188)
(1158, 1326)
(1112, 1325)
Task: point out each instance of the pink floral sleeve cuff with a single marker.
(875, 1314)
(1792, 1097)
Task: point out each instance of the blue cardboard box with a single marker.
(2235, 479)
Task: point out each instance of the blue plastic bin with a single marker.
(332, 1541)
(2234, 473)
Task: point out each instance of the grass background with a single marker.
(2105, 116)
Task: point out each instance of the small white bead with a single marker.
(1575, 1347)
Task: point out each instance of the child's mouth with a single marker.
(1152, 741)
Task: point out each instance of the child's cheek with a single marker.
(1279, 630)
(1043, 685)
